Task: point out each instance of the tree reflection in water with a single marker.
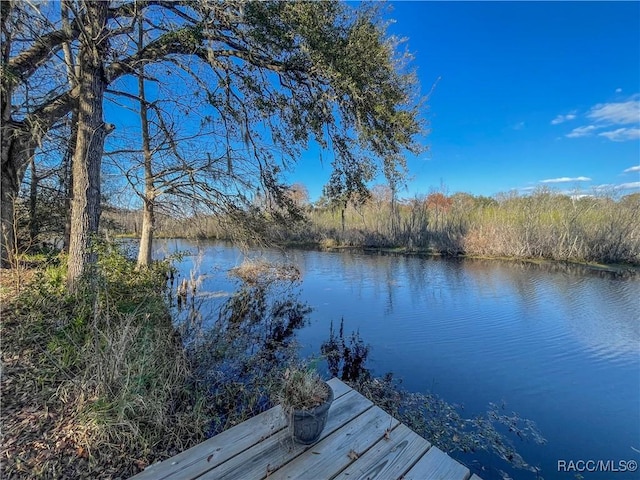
(241, 358)
(240, 361)
(346, 359)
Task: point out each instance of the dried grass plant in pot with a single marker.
(306, 400)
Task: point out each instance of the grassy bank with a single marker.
(544, 225)
(102, 383)
(94, 384)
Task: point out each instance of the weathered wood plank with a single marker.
(279, 449)
(262, 447)
(343, 447)
(389, 458)
(437, 465)
(218, 449)
(339, 388)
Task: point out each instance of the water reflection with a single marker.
(346, 358)
(599, 309)
(559, 343)
(238, 349)
(430, 415)
(596, 308)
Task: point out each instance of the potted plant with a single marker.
(305, 399)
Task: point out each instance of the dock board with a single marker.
(360, 441)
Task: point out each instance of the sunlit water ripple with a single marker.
(557, 345)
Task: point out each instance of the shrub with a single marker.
(101, 376)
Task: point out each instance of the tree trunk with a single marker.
(17, 152)
(8, 196)
(85, 205)
(68, 180)
(73, 73)
(7, 192)
(146, 237)
(19, 139)
(34, 226)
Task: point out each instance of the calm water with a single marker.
(560, 347)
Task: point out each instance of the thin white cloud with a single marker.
(609, 187)
(604, 116)
(581, 131)
(619, 113)
(563, 118)
(622, 134)
(618, 90)
(566, 179)
(518, 126)
(628, 186)
(635, 168)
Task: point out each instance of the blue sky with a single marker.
(527, 94)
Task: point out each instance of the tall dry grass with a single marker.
(545, 225)
(100, 375)
(553, 226)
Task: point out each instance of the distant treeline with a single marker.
(544, 225)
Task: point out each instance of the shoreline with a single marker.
(620, 269)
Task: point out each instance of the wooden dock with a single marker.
(360, 441)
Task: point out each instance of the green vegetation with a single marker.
(264, 81)
(101, 383)
(94, 384)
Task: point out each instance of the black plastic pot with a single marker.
(308, 424)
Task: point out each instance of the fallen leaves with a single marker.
(353, 455)
(42, 435)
